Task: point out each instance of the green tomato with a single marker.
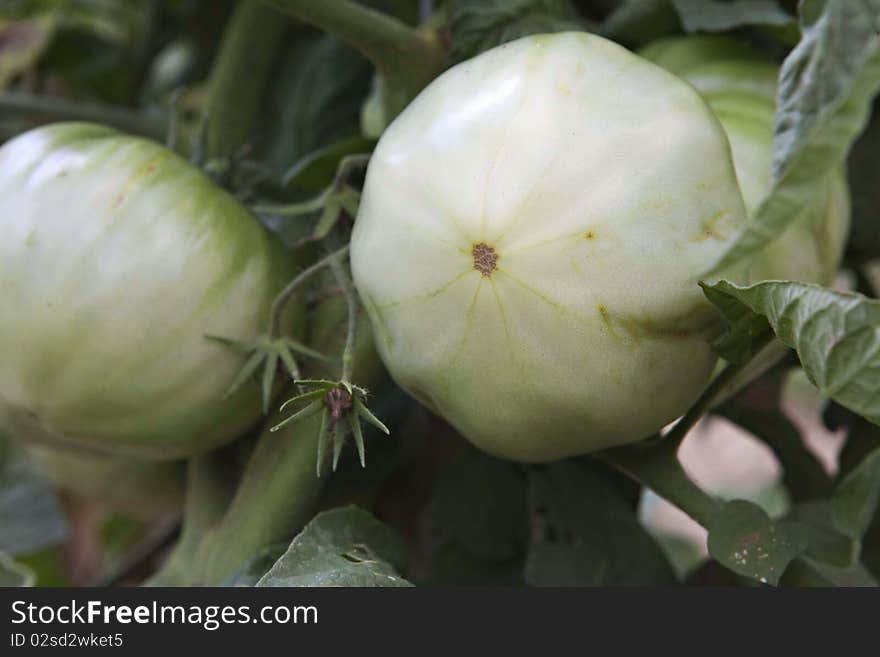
(117, 258)
(145, 489)
(530, 237)
(740, 88)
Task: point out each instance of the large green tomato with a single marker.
(117, 257)
(530, 237)
(740, 87)
(145, 489)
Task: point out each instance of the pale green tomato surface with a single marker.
(117, 257)
(529, 242)
(741, 90)
(145, 489)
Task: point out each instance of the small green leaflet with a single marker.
(836, 334)
(744, 539)
(826, 87)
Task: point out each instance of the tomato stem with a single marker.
(209, 488)
(406, 57)
(345, 285)
(654, 463)
(284, 296)
(146, 125)
(239, 75)
(659, 469)
(672, 441)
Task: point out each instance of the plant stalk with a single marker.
(283, 297)
(345, 285)
(406, 57)
(657, 468)
(274, 498)
(240, 74)
(64, 109)
(672, 441)
(208, 491)
(654, 463)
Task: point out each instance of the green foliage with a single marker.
(314, 106)
(341, 547)
(744, 539)
(636, 22)
(479, 504)
(93, 45)
(718, 16)
(864, 172)
(30, 517)
(836, 529)
(256, 567)
(478, 25)
(857, 497)
(826, 87)
(836, 335)
(468, 518)
(585, 534)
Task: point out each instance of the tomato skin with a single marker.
(117, 258)
(144, 489)
(530, 237)
(740, 86)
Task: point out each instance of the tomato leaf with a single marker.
(857, 497)
(838, 524)
(864, 172)
(478, 25)
(715, 16)
(641, 21)
(585, 534)
(744, 539)
(836, 335)
(825, 91)
(30, 516)
(808, 572)
(341, 547)
(315, 102)
(478, 503)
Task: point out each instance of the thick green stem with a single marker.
(348, 164)
(659, 469)
(240, 74)
(274, 498)
(284, 296)
(344, 282)
(406, 57)
(209, 490)
(672, 440)
(63, 109)
(655, 463)
(279, 486)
